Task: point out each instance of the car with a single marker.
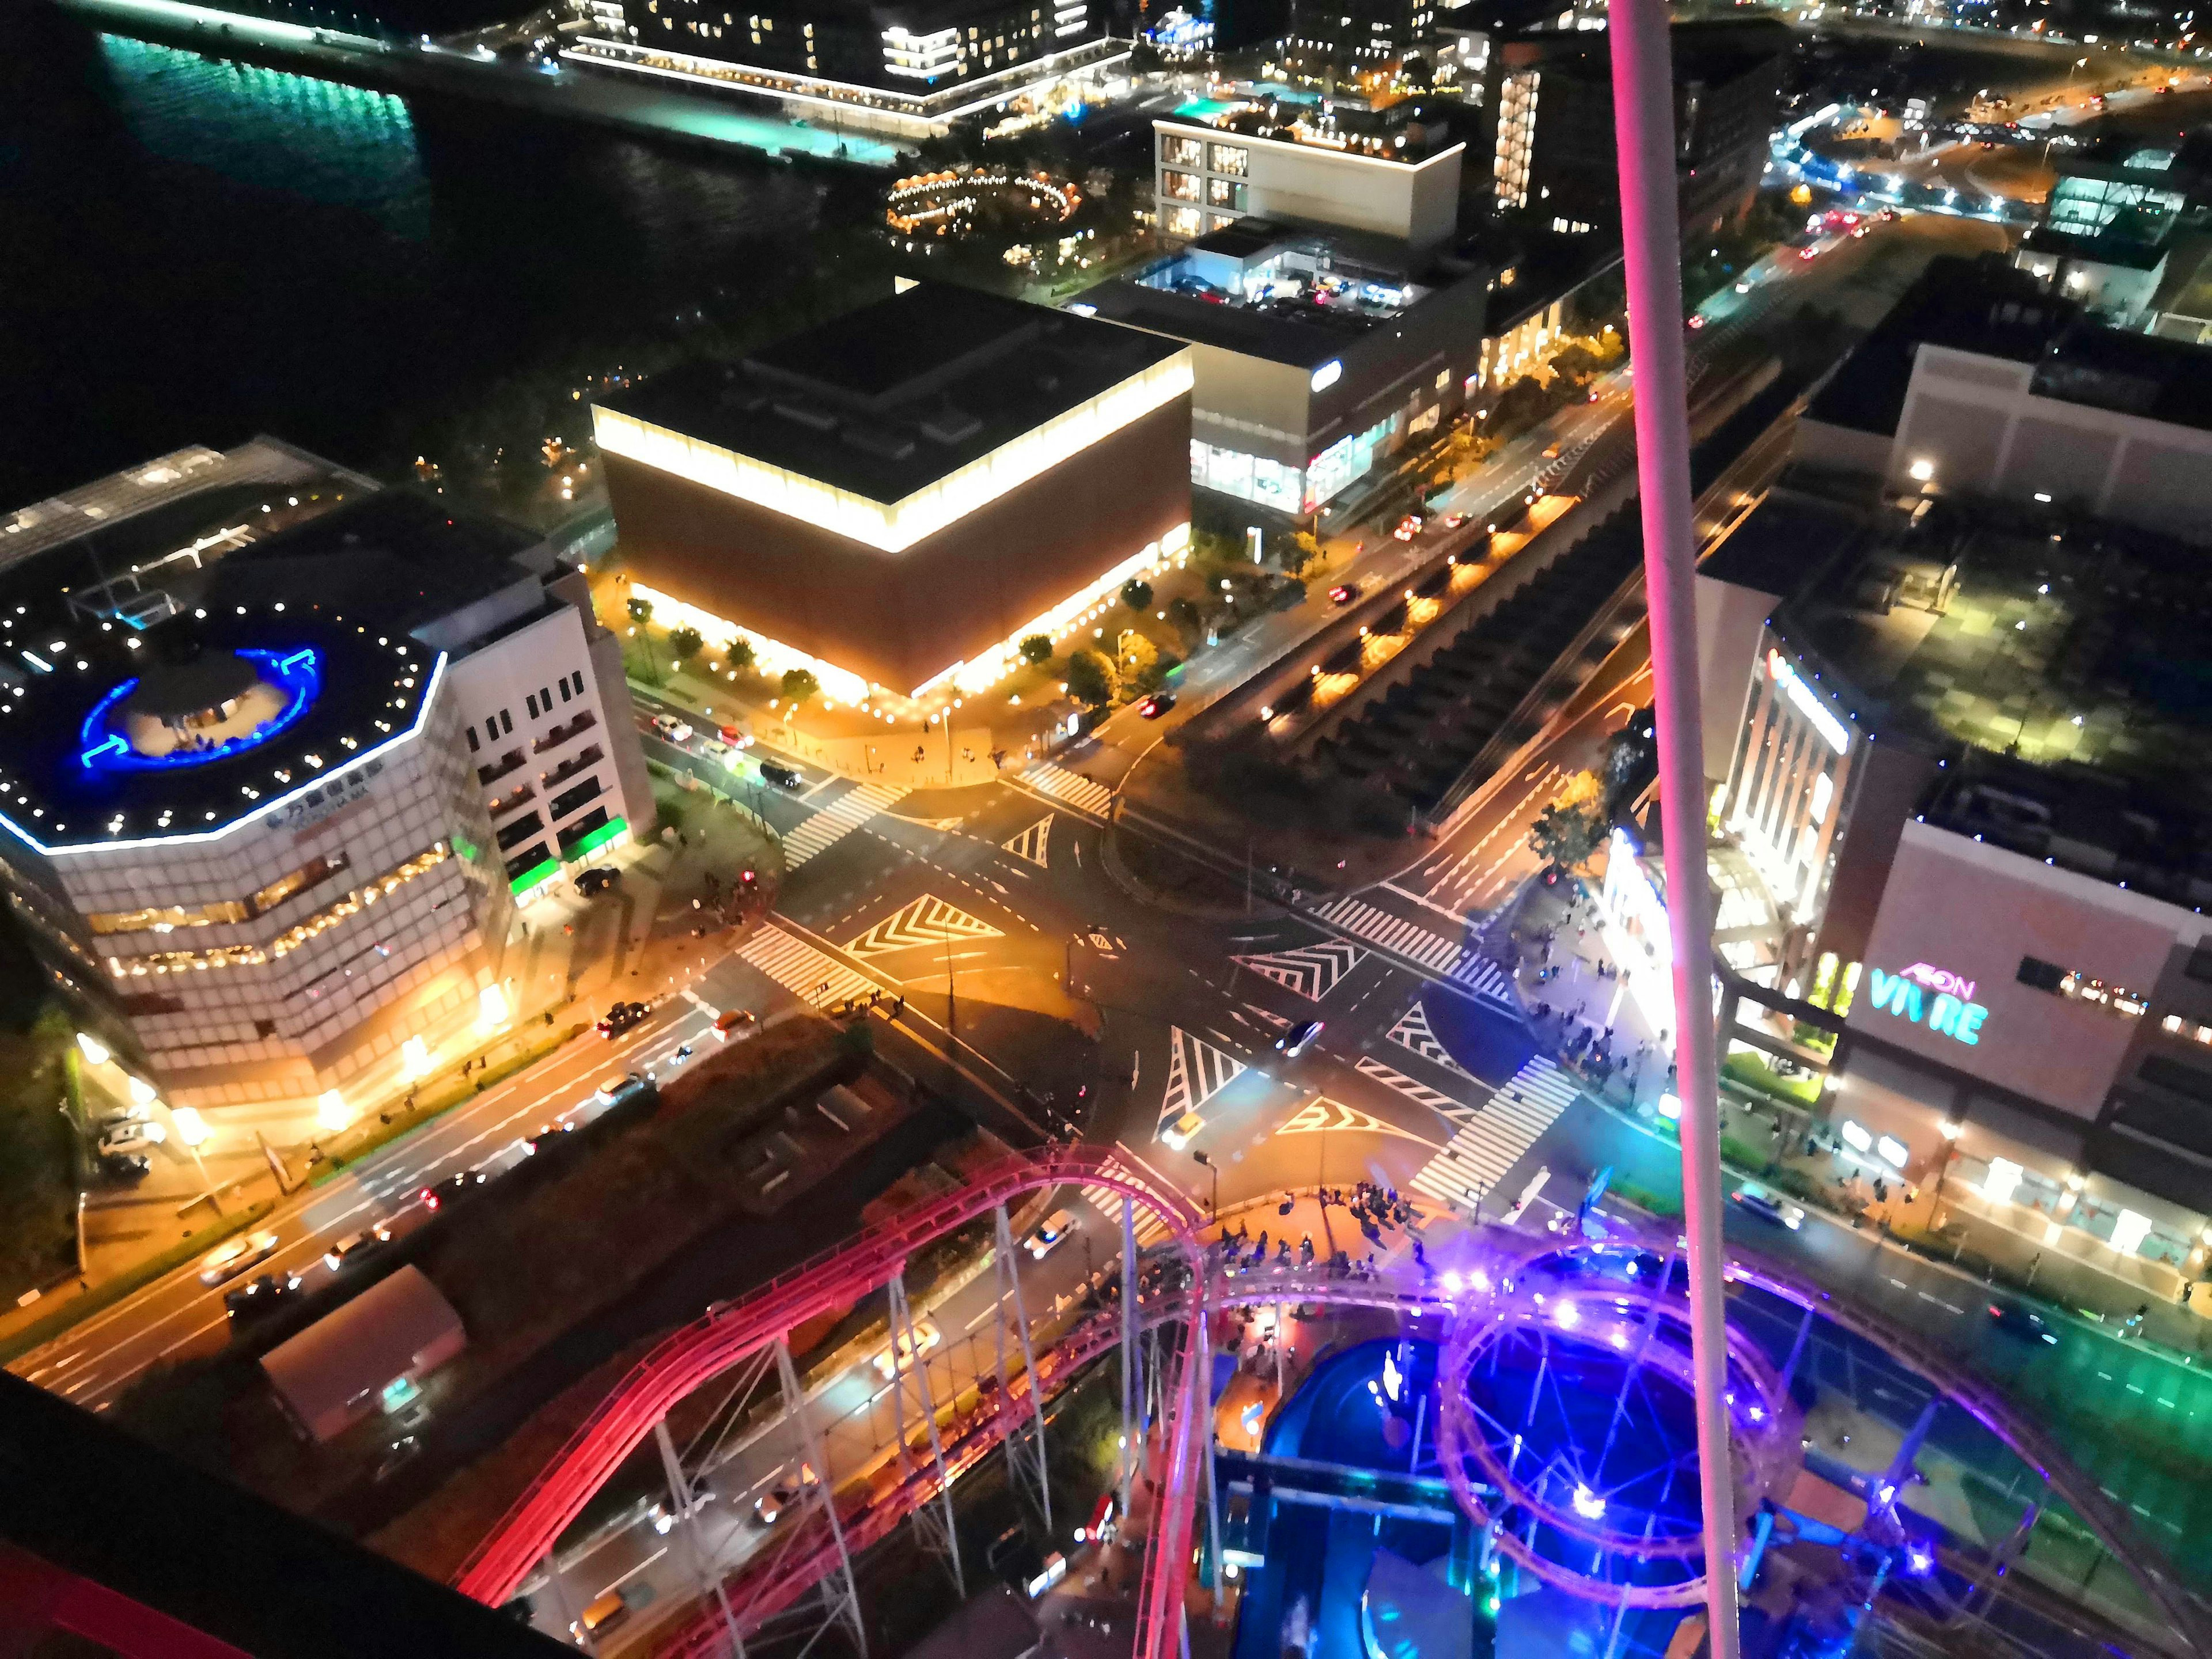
(603, 1615)
(1809, 252)
(785, 1488)
(125, 1115)
(1299, 1038)
(614, 1089)
(1178, 1134)
(1757, 1201)
(1342, 593)
(1155, 706)
(919, 1340)
(1454, 520)
(669, 728)
(1743, 287)
(125, 1166)
(353, 1246)
(782, 776)
(1408, 527)
(1697, 320)
(132, 1138)
(736, 736)
(736, 1024)
(620, 1017)
(1050, 1232)
(265, 1296)
(234, 1256)
(2021, 1321)
(592, 883)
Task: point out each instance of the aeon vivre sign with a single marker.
(1934, 997)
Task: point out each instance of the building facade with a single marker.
(1404, 185)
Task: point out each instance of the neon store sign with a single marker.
(1934, 997)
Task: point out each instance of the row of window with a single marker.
(2081, 987)
(162, 918)
(1234, 159)
(539, 703)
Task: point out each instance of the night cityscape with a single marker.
(1106, 829)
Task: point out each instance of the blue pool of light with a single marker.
(297, 673)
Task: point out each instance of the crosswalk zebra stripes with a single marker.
(1492, 1140)
(1415, 1032)
(1150, 1230)
(1034, 844)
(1197, 1071)
(926, 920)
(1311, 970)
(837, 821)
(801, 970)
(1471, 970)
(1412, 1088)
(1084, 795)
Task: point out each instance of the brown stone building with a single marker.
(897, 497)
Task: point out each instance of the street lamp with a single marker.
(1213, 1205)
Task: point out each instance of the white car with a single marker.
(924, 1337)
(130, 1136)
(234, 1256)
(785, 1488)
(669, 728)
(1050, 1232)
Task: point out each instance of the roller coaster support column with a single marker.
(1201, 1331)
(1133, 1440)
(1010, 1290)
(1643, 109)
(681, 1494)
(1797, 1350)
(840, 1595)
(948, 1541)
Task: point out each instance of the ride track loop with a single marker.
(732, 1332)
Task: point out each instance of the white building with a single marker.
(1402, 185)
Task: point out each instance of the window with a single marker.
(2080, 987)
(2190, 1080)
(567, 803)
(1181, 152)
(1426, 420)
(528, 824)
(529, 859)
(545, 699)
(1183, 221)
(530, 700)
(2199, 965)
(1225, 193)
(470, 732)
(505, 720)
(2174, 1025)
(564, 688)
(1443, 378)
(1231, 158)
(491, 728)
(1183, 186)
(162, 919)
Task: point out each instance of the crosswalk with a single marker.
(1491, 1141)
(1150, 1230)
(1311, 970)
(801, 970)
(837, 820)
(1470, 970)
(1412, 1088)
(1084, 795)
(1415, 1032)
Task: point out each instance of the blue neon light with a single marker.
(298, 674)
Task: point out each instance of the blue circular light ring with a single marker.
(297, 673)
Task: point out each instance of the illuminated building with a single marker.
(244, 804)
(897, 498)
(1354, 36)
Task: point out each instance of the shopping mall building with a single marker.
(895, 500)
(280, 751)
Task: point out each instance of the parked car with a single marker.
(265, 1296)
(620, 1017)
(1299, 1038)
(2021, 1321)
(669, 728)
(353, 1246)
(782, 776)
(1050, 1232)
(132, 1138)
(591, 883)
(736, 1024)
(234, 1256)
(1757, 1201)
(920, 1340)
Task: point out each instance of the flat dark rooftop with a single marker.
(888, 400)
(1786, 539)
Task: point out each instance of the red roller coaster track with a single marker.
(732, 1332)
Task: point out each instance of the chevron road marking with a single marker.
(1084, 795)
(1034, 844)
(1320, 1116)
(1415, 1032)
(1197, 1071)
(926, 920)
(801, 970)
(837, 821)
(1311, 970)
(1415, 1091)
(1491, 1141)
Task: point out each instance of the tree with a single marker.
(740, 656)
(1036, 650)
(1137, 595)
(685, 643)
(1140, 659)
(640, 611)
(1567, 836)
(1090, 678)
(800, 685)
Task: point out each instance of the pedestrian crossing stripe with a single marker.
(1034, 844)
(926, 920)
(837, 821)
(1150, 1229)
(1415, 1091)
(1493, 1139)
(1197, 1071)
(801, 970)
(1311, 970)
(1321, 1115)
(1415, 1032)
(1469, 969)
(1084, 795)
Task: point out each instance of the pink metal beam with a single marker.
(732, 1332)
(1644, 124)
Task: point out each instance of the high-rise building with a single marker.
(1351, 37)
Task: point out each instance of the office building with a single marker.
(1317, 355)
(905, 68)
(896, 499)
(2105, 239)
(1980, 383)
(1353, 38)
(245, 803)
(1278, 153)
(1550, 113)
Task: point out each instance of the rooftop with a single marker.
(1405, 132)
(1987, 307)
(889, 399)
